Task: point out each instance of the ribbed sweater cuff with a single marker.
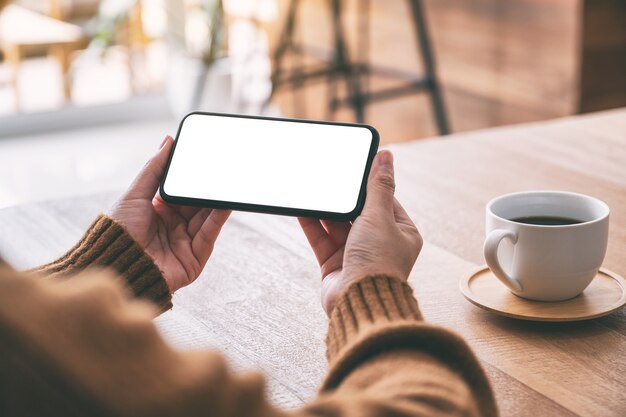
(379, 314)
(372, 301)
(107, 244)
(375, 315)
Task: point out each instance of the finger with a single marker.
(338, 231)
(185, 213)
(204, 241)
(401, 215)
(333, 263)
(320, 241)
(147, 181)
(381, 184)
(189, 212)
(196, 220)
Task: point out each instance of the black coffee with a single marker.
(546, 220)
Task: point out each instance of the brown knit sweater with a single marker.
(75, 342)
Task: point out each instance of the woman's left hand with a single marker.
(179, 239)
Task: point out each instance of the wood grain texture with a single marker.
(603, 52)
(520, 53)
(258, 298)
(500, 62)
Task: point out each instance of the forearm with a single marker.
(82, 346)
(106, 244)
(385, 359)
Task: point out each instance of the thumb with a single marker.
(147, 181)
(381, 184)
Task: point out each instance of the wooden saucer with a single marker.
(605, 295)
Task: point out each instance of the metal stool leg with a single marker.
(343, 65)
(356, 74)
(285, 42)
(429, 66)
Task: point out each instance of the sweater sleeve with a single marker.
(107, 244)
(81, 345)
(385, 360)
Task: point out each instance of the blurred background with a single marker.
(89, 88)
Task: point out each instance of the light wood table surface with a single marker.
(258, 299)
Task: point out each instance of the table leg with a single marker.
(61, 53)
(13, 56)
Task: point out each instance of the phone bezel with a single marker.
(258, 208)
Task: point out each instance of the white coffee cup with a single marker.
(546, 262)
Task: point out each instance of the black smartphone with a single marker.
(270, 165)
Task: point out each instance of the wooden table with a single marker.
(22, 30)
(258, 299)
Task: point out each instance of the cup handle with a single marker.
(491, 256)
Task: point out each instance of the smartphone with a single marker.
(270, 165)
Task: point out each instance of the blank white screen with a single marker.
(274, 163)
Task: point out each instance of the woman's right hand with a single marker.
(382, 240)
